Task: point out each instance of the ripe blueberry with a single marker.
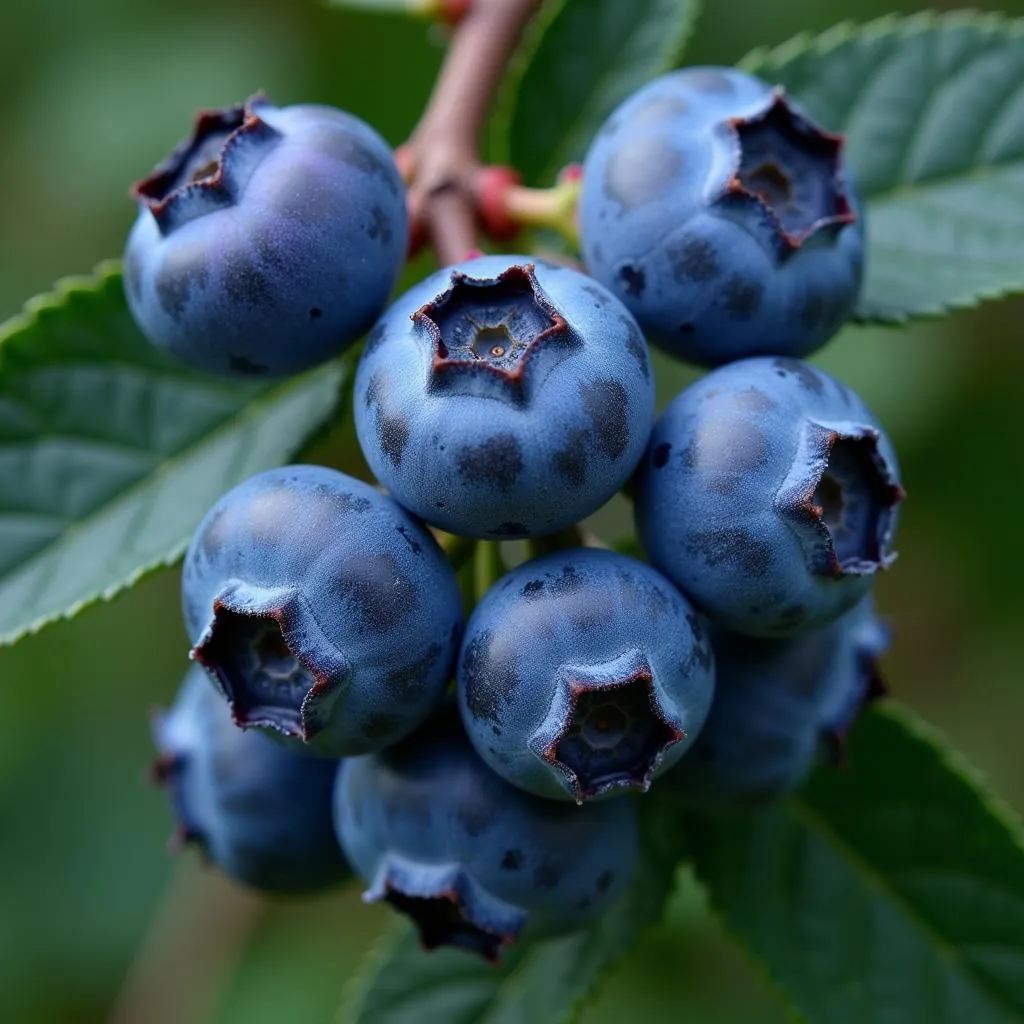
(267, 242)
(504, 398)
(583, 673)
(768, 495)
(775, 702)
(475, 862)
(723, 217)
(261, 813)
(325, 612)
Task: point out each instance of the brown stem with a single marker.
(442, 153)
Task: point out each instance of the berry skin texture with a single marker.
(259, 812)
(582, 674)
(504, 397)
(723, 217)
(769, 495)
(475, 862)
(777, 703)
(327, 615)
(267, 242)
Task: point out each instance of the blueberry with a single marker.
(775, 701)
(504, 398)
(769, 496)
(475, 862)
(260, 813)
(268, 241)
(723, 217)
(325, 612)
(583, 673)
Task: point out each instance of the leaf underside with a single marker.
(110, 453)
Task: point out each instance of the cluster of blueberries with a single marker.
(510, 397)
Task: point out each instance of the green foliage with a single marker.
(892, 889)
(110, 454)
(579, 60)
(931, 107)
(540, 983)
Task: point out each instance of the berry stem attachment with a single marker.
(489, 566)
(440, 159)
(551, 208)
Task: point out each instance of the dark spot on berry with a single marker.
(634, 279)
(741, 297)
(407, 535)
(707, 80)
(734, 547)
(808, 378)
(378, 590)
(375, 389)
(497, 462)
(641, 172)
(661, 455)
(183, 271)
(687, 328)
(533, 590)
(392, 434)
(375, 337)
(792, 614)
(571, 459)
(636, 346)
(490, 673)
(568, 581)
(726, 444)
(510, 530)
(694, 259)
(702, 652)
(245, 365)
(513, 860)
(242, 280)
(752, 400)
(380, 226)
(475, 817)
(133, 274)
(350, 149)
(607, 405)
(599, 295)
(406, 683)
(605, 880)
(547, 874)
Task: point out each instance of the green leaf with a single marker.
(578, 61)
(891, 890)
(543, 983)
(933, 112)
(110, 454)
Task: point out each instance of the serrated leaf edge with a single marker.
(105, 276)
(763, 59)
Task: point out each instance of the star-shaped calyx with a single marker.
(275, 672)
(487, 334)
(204, 172)
(607, 728)
(447, 906)
(841, 495)
(791, 172)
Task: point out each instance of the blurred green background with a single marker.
(97, 921)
